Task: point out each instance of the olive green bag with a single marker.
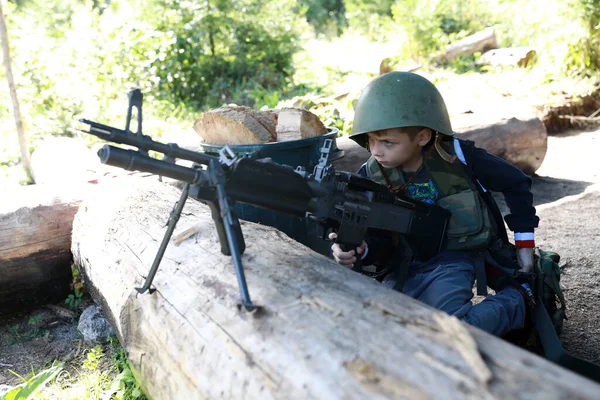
(548, 286)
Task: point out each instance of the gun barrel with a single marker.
(134, 161)
(144, 142)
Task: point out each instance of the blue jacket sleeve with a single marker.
(498, 175)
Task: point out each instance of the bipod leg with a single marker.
(173, 218)
(229, 220)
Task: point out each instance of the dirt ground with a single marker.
(567, 195)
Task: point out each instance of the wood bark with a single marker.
(522, 142)
(324, 331)
(23, 144)
(478, 42)
(296, 124)
(35, 245)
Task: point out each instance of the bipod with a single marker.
(173, 219)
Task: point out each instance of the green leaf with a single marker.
(136, 392)
(34, 384)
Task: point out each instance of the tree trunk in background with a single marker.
(478, 42)
(522, 142)
(324, 331)
(13, 95)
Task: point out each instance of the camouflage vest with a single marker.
(470, 226)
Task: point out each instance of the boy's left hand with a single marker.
(525, 259)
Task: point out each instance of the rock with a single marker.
(94, 327)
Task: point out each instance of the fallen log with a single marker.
(324, 331)
(522, 142)
(35, 245)
(477, 42)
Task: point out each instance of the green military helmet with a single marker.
(397, 100)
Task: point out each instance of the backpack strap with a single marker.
(551, 345)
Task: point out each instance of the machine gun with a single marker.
(340, 201)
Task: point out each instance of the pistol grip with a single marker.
(357, 266)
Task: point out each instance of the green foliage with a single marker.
(74, 300)
(433, 24)
(188, 56)
(371, 17)
(583, 55)
(33, 383)
(93, 358)
(201, 53)
(19, 333)
(327, 17)
(124, 386)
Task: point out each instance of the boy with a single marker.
(402, 120)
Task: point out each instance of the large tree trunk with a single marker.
(35, 245)
(325, 331)
(522, 142)
(23, 144)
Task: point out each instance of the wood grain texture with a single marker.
(35, 245)
(236, 126)
(325, 332)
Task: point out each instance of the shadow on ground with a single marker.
(547, 190)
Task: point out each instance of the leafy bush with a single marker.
(433, 24)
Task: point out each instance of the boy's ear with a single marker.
(424, 136)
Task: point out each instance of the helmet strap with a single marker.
(440, 150)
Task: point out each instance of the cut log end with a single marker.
(237, 125)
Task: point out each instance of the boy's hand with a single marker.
(346, 258)
(525, 259)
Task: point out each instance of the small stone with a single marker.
(94, 326)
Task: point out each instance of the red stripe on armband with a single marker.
(524, 244)
(524, 240)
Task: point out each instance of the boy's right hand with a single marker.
(346, 258)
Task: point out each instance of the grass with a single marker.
(102, 374)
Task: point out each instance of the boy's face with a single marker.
(395, 148)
